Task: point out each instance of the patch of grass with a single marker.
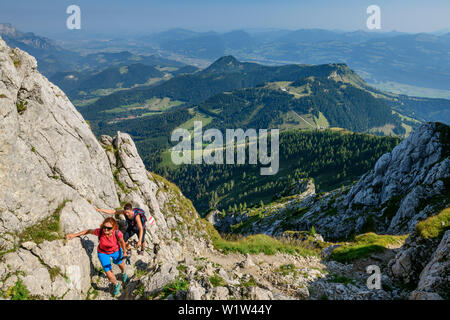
(139, 272)
(120, 183)
(434, 226)
(182, 268)
(248, 283)
(140, 291)
(19, 291)
(261, 243)
(174, 287)
(254, 244)
(46, 230)
(15, 59)
(364, 245)
(341, 279)
(54, 272)
(92, 294)
(217, 281)
(21, 106)
(3, 96)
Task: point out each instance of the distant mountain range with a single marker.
(331, 90)
(53, 59)
(420, 60)
(412, 64)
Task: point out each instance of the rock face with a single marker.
(412, 259)
(424, 264)
(48, 152)
(396, 194)
(413, 172)
(434, 280)
(175, 215)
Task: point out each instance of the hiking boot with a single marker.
(124, 277)
(117, 289)
(141, 253)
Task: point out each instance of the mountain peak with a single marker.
(224, 65)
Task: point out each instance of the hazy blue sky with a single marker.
(146, 16)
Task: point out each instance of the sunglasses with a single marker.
(108, 228)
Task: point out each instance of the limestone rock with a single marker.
(48, 153)
(195, 291)
(256, 293)
(434, 280)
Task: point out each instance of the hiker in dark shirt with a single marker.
(136, 219)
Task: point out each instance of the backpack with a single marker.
(141, 213)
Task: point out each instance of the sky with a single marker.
(47, 17)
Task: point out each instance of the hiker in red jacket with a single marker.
(136, 220)
(111, 246)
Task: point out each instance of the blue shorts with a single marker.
(105, 259)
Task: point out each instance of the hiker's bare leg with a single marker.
(111, 277)
(122, 266)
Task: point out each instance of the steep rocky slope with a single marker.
(423, 262)
(48, 153)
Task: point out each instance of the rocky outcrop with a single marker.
(175, 215)
(406, 186)
(48, 152)
(434, 282)
(397, 193)
(424, 265)
(303, 188)
(412, 259)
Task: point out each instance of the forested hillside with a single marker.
(332, 158)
